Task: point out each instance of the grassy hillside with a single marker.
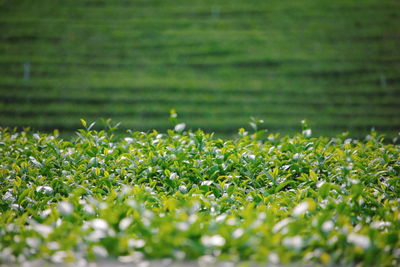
(186, 196)
(335, 63)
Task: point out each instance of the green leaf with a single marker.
(83, 123)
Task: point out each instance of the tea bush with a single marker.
(187, 195)
(336, 63)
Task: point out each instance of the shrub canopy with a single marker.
(187, 195)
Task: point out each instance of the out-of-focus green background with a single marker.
(334, 63)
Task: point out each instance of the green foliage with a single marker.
(335, 63)
(187, 195)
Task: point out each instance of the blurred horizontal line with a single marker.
(16, 89)
(231, 102)
(203, 114)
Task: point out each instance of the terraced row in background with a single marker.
(335, 63)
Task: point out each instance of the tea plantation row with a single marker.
(185, 195)
(336, 63)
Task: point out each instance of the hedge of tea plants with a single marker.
(184, 195)
(336, 63)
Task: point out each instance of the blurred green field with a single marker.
(334, 63)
